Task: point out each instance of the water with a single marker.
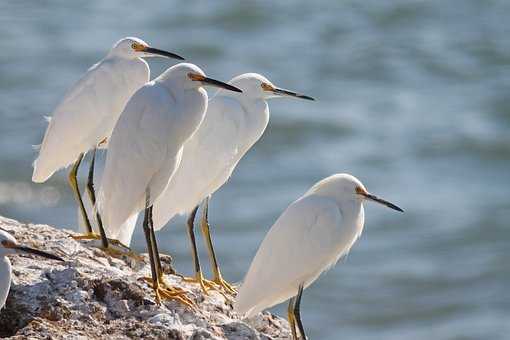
(412, 99)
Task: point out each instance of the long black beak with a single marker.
(220, 84)
(381, 201)
(38, 253)
(283, 92)
(163, 53)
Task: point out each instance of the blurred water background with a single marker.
(413, 98)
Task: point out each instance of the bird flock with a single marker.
(169, 148)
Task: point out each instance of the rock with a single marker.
(93, 296)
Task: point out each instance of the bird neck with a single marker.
(257, 117)
(191, 105)
(350, 209)
(5, 279)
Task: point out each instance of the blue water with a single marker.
(413, 99)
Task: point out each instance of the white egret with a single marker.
(9, 246)
(145, 149)
(85, 117)
(232, 125)
(307, 239)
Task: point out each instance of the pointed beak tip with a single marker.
(37, 252)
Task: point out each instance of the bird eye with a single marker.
(7, 244)
(266, 87)
(359, 190)
(134, 46)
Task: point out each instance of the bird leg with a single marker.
(199, 277)
(92, 194)
(73, 182)
(165, 291)
(204, 224)
(297, 312)
(91, 235)
(292, 319)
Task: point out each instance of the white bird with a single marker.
(85, 117)
(9, 246)
(232, 125)
(146, 147)
(311, 235)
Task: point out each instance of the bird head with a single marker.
(346, 188)
(9, 246)
(257, 86)
(132, 47)
(189, 76)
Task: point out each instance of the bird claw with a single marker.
(205, 284)
(121, 254)
(170, 293)
(218, 280)
(86, 236)
(94, 236)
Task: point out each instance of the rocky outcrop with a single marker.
(95, 296)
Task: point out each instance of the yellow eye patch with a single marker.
(138, 47)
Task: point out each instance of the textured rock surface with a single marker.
(94, 296)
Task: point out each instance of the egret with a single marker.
(311, 235)
(85, 117)
(9, 246)
(145, 150)
(232, 125)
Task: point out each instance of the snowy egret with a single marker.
(146, 148)
(9, 246)
(307, 239)
(85, 117)
(232, 125)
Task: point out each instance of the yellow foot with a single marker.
(120, 254)
(206, 285)
(170, 293)
(94, 236)
(86, 236)
(218, 280)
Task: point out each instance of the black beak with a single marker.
(283, 92)
(163, 53)
(38, 253)
(220, 84)
(383, 202)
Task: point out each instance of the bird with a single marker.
(84, 118)
(234, 122)
(308, 238)
(145, 150)
(9, 246)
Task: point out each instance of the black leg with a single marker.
(155, 244)
(292, 319)
(191, 234)
(297, 312)
(92, 194)
(73, 182)
(150, 249)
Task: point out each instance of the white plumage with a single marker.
(146, 144)
(86, 115)
(233, 124)
(307, 239)
(9, 246)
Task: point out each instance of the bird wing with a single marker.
(136, 153)
(207, 160)
(82, 117)
(301, 244)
